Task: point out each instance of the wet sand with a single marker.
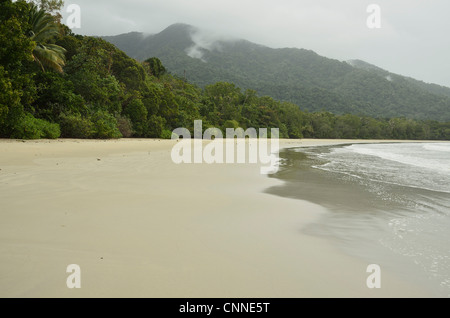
(139, 225)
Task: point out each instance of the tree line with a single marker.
(54, 83)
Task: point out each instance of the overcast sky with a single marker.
(413, 39)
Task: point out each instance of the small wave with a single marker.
(420, 162)
(391, 182)
(414, 167)
(437, 147)
(409, 187)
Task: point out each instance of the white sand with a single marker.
(140, 226)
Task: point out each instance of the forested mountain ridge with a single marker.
(54, 83)
(432, 88)
(300, 76)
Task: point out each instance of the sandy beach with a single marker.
(139, 225)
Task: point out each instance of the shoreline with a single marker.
(359, 221)
(140, 226)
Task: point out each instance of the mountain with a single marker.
(432, 88)
(313, 82)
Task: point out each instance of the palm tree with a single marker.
(43, 28)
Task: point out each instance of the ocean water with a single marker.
(388, 203)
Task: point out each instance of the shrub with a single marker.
(75, 126)
(166, 134)
(231, 124)
(32, 128)
(137, 113)
(105, 126)
(125, 126)
(50, 130)
(155, 126)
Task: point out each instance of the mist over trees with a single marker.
(299, 76)
(58, 84)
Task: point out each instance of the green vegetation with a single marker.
(43, 29)
(302, 77)
(58, 84)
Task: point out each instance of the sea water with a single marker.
(388, 203)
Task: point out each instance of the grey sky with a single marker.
(413, 39)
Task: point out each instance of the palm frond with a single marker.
(50, 56)
(43, 28)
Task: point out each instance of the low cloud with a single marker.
(205, 40)
(412, 40)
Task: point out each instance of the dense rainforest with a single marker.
(299, 76)
(54, 83)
